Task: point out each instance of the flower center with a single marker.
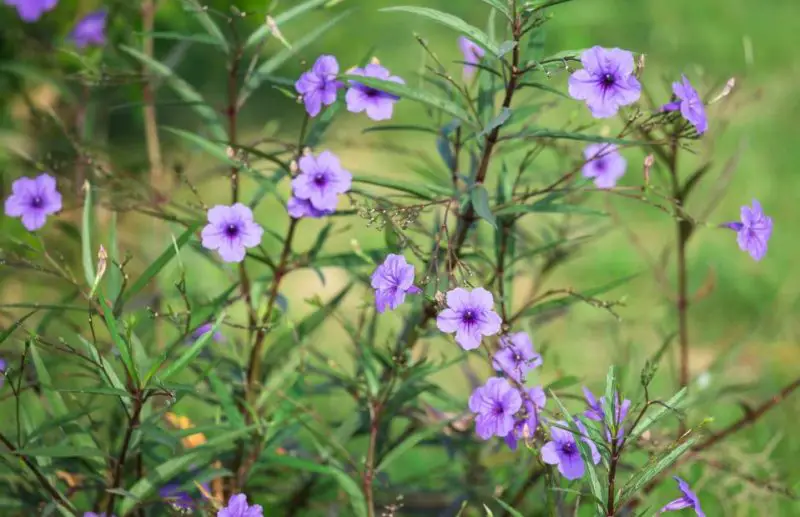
(320, 179)
(517, 358)
(498, 409)
(372, 93)
(232, 230)
(469, 316)
(568, 448)
(37, 202)
(608, 80)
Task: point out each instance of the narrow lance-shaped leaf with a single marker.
(194, 7)
(157, 265)
(193, 351)
(260, 34)
(268, 67)
(184, 90)
(454, 22)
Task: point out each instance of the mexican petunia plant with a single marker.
(268, 329)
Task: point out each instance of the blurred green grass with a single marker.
(752, 304)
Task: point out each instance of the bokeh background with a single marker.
(748, 311)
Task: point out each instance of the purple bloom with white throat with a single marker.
(230, 230)
(563, 451)
(392, 280)
(321, 180)
(472, 55)
(516, 356)
(319, 85)
(533, 402)
(604, 164)
(32, 200)
(470, 314)
(495, 404)
(754, 230)
(378, 105)
(302, 208)
(237, 507)
(688, 500)
(606, 81)
(31, 10)
(90, 30)
(689, 103)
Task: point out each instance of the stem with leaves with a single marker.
(139, 399)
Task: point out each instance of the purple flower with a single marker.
(178, 498)
(472, 55)
(230, 230)
(604, 164)
(563, 451)
(205, 328)
(688, 500)
(753, 232)
(470, 315)
(300, 208)
(31, 10)
(90, 30)
(33, 200)
(533, 402)
(318, 86)
(392, 280)
(595, 411)
(321, 180)
(495, 404)
(238, 507)
(690, 104)
(2, 372)
(378, 104)
(588, 441)
(606, 81)
(516, 357)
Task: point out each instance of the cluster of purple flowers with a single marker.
(89, 30)
(315, 191)
(320, 85)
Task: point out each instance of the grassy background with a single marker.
(752, 305)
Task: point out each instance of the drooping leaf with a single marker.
(191, 352)
(454, 22)
(87, 226)
(184, 90)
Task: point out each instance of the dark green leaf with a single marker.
(500, 6)
(496, 122)
(454, 22)
(480, 200)
(508, 508)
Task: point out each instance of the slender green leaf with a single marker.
(549, 208)
(499, 5)
(204, 39)
(184, 90)
(563, 382)
(454, 22)
(61, 451)
(269, 66)
(427, 192)
(158, 264)
(222, 391)
(654, 468)
(6, 333)
(116, 338)
(194, 7)
(260, 34)
(409, 443)
(508, 508)
(674, 404)
(87, 257)
(421, 96)
(480, 200)
(535, 133)
(570, 300)
(496, 122)
(192, 351)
